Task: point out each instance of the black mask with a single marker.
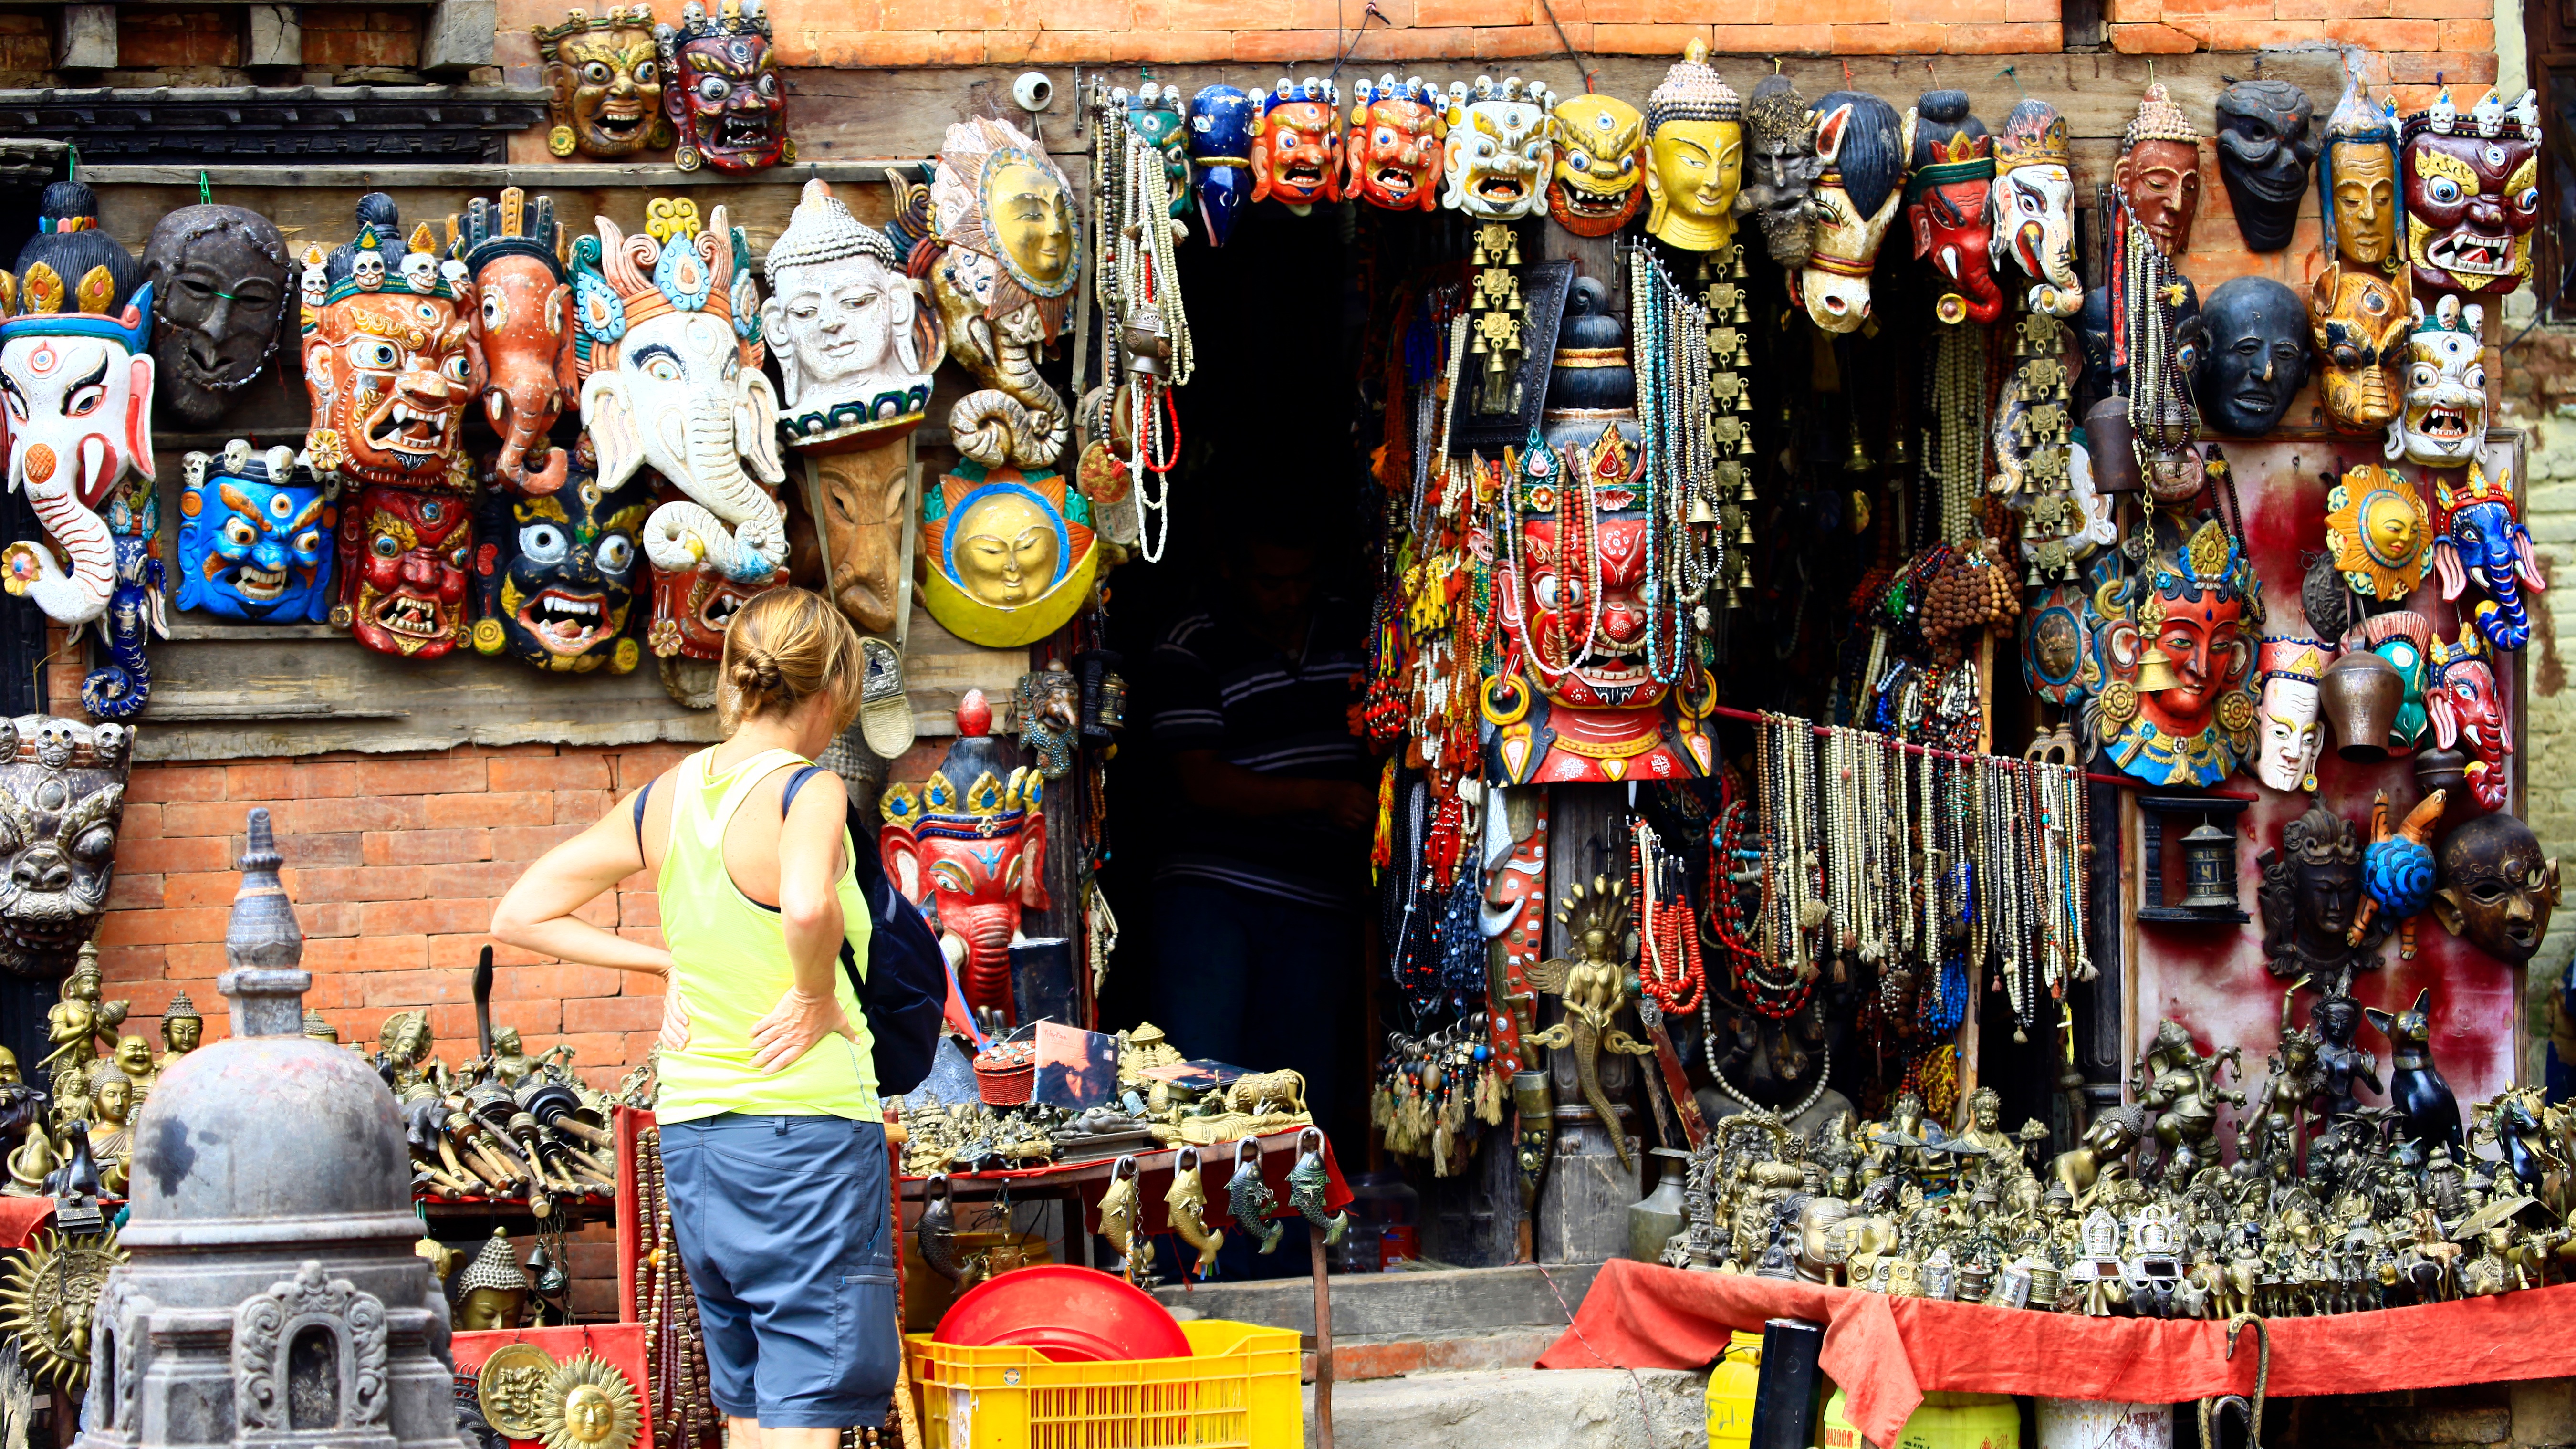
(2264, 148)
(2254, 356)
(219, 290)
(555, 575)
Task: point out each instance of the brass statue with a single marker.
(1185, 1204)
(111, 1131)
(493, 1291)
(47, 1302)
(2173, 1079)
(182, 1029)
(1593, 983)
(77, 1025)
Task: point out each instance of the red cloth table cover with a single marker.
(21, 1218)
(621, 1344)
(1886, 1353)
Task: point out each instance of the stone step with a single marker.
(1433, 1303)
(1359, 1359)
(1522, 1408)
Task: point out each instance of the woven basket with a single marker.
(1004, 1074)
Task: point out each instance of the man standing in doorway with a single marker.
(1257, 909)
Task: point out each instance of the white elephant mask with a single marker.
(2032, 207)
(672, 382)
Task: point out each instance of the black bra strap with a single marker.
(640, 797)
(795, 782)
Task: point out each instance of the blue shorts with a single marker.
(784, 1226)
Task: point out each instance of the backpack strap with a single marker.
(640, 797)
(795, 782)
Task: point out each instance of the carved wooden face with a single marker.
(219, 280)
(1558, 595)
(2364, 200)
(556, 574)
(2254, 355)
(1597, 186)
(80, 407)
(604, 92)
(2264, 147)
(1496, 158)
(2497, 890)
(2160, 180)
(2444, 422)
(1394, 149)
(254, 545)
(404, 559)
(1951, 229)
(725, 100)
(1297, 153)
(390, 373)
(2471, 202)
(2359, 323)
(524, 323)
(62, 798)
(2467, 713)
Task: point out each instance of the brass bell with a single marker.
(2156, 672)
(1857, 461)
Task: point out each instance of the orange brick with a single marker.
(368, 954)
(2442, 10)
(529, 841)
(487, 879)
(887, 49)
(1519, 42)
(581, 807)
(637, 764)
(169, 855)
(120, 964)
(355, 812)
(1164, 47)
(639, 908)
(496, 808)
(195, 960)
(555, 980)
(408, 987)
(135, 891)
(548, 772)
(1621, 12)
(2005, 39)
(176, 782)
(2388, 35)
(2468, 35)
(1282, 46)
(139, 822)
(1428, 13)
(2438, 67)
(327, 918)
(1085, 14)
(1910, 38)
(1767, 39)
(423, 918)
(2151, 40)
(433, 775)
(427, 847)
(269, 781)
(160, 927)
(344, 847)
(613, 1013)
(1645, 40)
(200, 888)
(360, 883)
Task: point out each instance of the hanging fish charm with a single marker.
(1185, 1203)
(936, 1233)
(1251, 1198)
(1118, 1215)
(1307, 1183)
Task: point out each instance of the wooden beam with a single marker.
(456, 37)
(272, 35)
(88, 37)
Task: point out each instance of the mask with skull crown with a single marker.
(2170, 679)
(1393, 148)
(556, 575)
(1153, 113)
(256, 537)
(603, 78)
(1600, 148)
(75, 319)
(2443, 423)
(62, 801)
(721, 88)
(1297, 144)
(391, 358)
(2472, 184)
(672, 382)
(1500, 147)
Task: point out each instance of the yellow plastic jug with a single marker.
(1941, 1421)
(1730, 1392)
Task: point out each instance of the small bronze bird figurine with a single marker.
(1118, 1215)
(1185, 1203)
(1307, 1183)
(1251, 1198)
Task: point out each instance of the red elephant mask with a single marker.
(976, 855)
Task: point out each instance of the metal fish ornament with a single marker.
(1118, 1214)
(1251, 1198)
(1307, 1183)
(1186, 1204)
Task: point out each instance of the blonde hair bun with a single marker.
(782, 648)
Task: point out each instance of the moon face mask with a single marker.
(1010, 554)
(603, 80)
(2444, 421)
(2264, 148)
(255, 537)
(2472, 183)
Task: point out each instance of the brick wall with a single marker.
(393, 862)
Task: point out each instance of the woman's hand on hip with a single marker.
(791, 1028)
(675, 1018)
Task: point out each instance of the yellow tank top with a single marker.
(729, 960)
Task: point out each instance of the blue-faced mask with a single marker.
(254, 537)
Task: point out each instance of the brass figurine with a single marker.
(1593, 984)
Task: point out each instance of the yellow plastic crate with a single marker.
(1237, 1390)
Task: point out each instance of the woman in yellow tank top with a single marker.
(773, 1145)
